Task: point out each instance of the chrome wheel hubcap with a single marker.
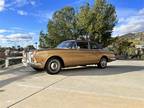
(54, 66)
(103, 63)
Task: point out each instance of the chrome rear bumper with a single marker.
(112, 59)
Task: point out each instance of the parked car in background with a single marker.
(68, 53)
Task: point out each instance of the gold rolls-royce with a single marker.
(66, 54)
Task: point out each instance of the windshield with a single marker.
(67, 45)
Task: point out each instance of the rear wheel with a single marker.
(53, 66)
(103, 63)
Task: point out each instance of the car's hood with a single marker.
(46, 49)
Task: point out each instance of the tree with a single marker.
(122, 46)
(62, 26)
(83, 21)
(103, 20)
(97, 22)
(19, 48)
(93, 23)
(43, 40)
(29, 48)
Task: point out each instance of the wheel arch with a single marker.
(104, 56)
(55, 57)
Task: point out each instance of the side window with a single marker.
(73, 45)
(67, 45)
(82, 45)
(93, 45)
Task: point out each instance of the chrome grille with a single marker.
(29, 57)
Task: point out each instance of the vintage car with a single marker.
(66, 54)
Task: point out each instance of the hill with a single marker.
(137, 38)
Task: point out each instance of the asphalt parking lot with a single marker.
(121, 85)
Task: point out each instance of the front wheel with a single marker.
(103, 63)
(53, 66)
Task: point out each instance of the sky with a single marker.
(22, 20)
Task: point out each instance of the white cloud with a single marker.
(2, 5)
(21, 3)
(141, 11)
(43, 16)
(15, 5)
(17, 36)
(21, 12)
(17, 28)
(17, 39)
(32, 2)
(2, 36)
(11, 30)
(3, 30)
(130, 24)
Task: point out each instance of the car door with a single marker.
(95, 52)
(71, 55)
(83, 53)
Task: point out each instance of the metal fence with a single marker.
(2, 62)
(8, 58)
(6, 62)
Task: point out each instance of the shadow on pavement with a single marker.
(11, 71)
(19, 74)
(93, 70)
(24, 72)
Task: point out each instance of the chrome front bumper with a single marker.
(27, 61)
(27, 58)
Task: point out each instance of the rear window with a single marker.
(93, 45)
